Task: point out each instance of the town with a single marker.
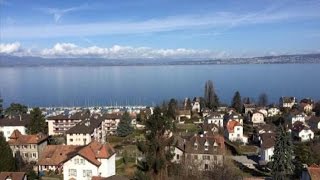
(198, 138)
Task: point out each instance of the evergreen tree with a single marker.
(236, 102)
(156, 153)
(316, 108)
(124, 127)
(37, 122)
(7, 162)
(263, 99)
(210, 96)
(16, 109)
(1, 107)
(172, 108)
(282, 166)
(188, 104)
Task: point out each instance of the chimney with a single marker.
(20, 117)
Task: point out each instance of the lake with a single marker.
(150, 85)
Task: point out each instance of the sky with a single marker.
(159, 28)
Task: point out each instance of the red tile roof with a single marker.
(231, 124)
(17, 138)
(95, 150)
(55, 155)
(12, 175)
(314, 172)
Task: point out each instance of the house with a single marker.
(11, 123)
(267, 142)
(263, 111)
(311, 173)
(183, 115)
(306, 105)
(95, 159)
(234, 132)
(210, 128)
(302, 132)
(265, 128)
(59, 124)
(204, 152)
(206, 112)
(196, 105)
(298, 116)
(110, 123)
(215, 118)
(249, 108)
(257, 118)
(287, 102)
(314, 123)
(86, 131)
(54, 156)
(273, 111)
(13, 176)
(27, 147)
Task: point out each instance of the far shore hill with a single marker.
(29, 61)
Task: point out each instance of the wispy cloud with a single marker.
(58, 13)
(70, 50)
(220, 20)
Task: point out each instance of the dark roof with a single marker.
(112, 116)
(214, 114)
(313, 122)
(249, 105)
(268, 140)
(17, 120)
(306, 101)
(201, 141)
(86, 126)
(287, 99)
(12, 175)
(298, 126)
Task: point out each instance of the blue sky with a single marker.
(162, 28)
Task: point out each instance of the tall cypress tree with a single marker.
(37, 122)
(124, 127)
(156, 153)
(7, 162)
(282, 166)
(210, 96)
(236, 102)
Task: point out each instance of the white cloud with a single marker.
(219, 20)
(69, 50)
(58, 13)
(10, 48)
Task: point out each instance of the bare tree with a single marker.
(263, 99)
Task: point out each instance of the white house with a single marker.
(301, 131)
(11, 123)
(86, 131)
(196, 106)
(215, 118)
(273, 111)
(306, 105)
(263, 111)
(257, 118)
(301, 117)
(94, 159)
(267, 141)
(287, 102)
(111, 121)
(234, 132)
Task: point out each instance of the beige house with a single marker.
(27, 147)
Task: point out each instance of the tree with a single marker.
(236, 102)
(124, 127)
(37, 122)
(156, 154)
(263, 99)
(188, 105)
(210, 96)
(172, 108)
(16, 109)
(316, 108)
(282, 166)
(7, 162)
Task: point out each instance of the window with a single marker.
(72, 172)
(195, 156)
(81, 161)
(205, 157)
(87, 173)
(238, 135)
(178, 156)
(34, 146)
(34, 155)
(206, 166)
(71, 140)
(76, 161)
(238, 129)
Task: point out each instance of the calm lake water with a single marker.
(148, 85)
